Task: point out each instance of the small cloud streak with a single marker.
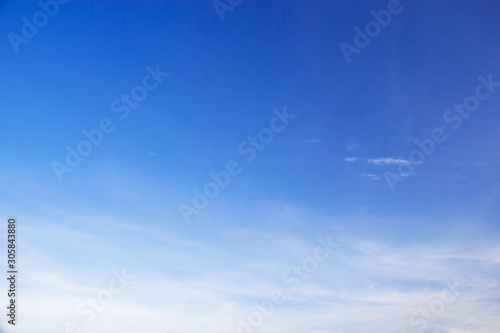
(387, 161)
(380, 161)
(352, 146)
(370, 176)
(313, 140)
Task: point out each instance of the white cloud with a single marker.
(370, 176)
(387, 161)
(380, 161)
(313, 140)
(352, 146)
(189, 286)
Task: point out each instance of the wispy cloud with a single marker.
(387, 161)
(352, 146)
(313, 140)
(384, 282)
(370, 176)
(379, 161)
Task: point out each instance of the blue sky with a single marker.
(324, 173)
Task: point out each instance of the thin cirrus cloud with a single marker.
(371, 176)
(386, 282)
(387, 161)
(352, 146)
(380, 161)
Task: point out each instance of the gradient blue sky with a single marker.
(119, 208)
